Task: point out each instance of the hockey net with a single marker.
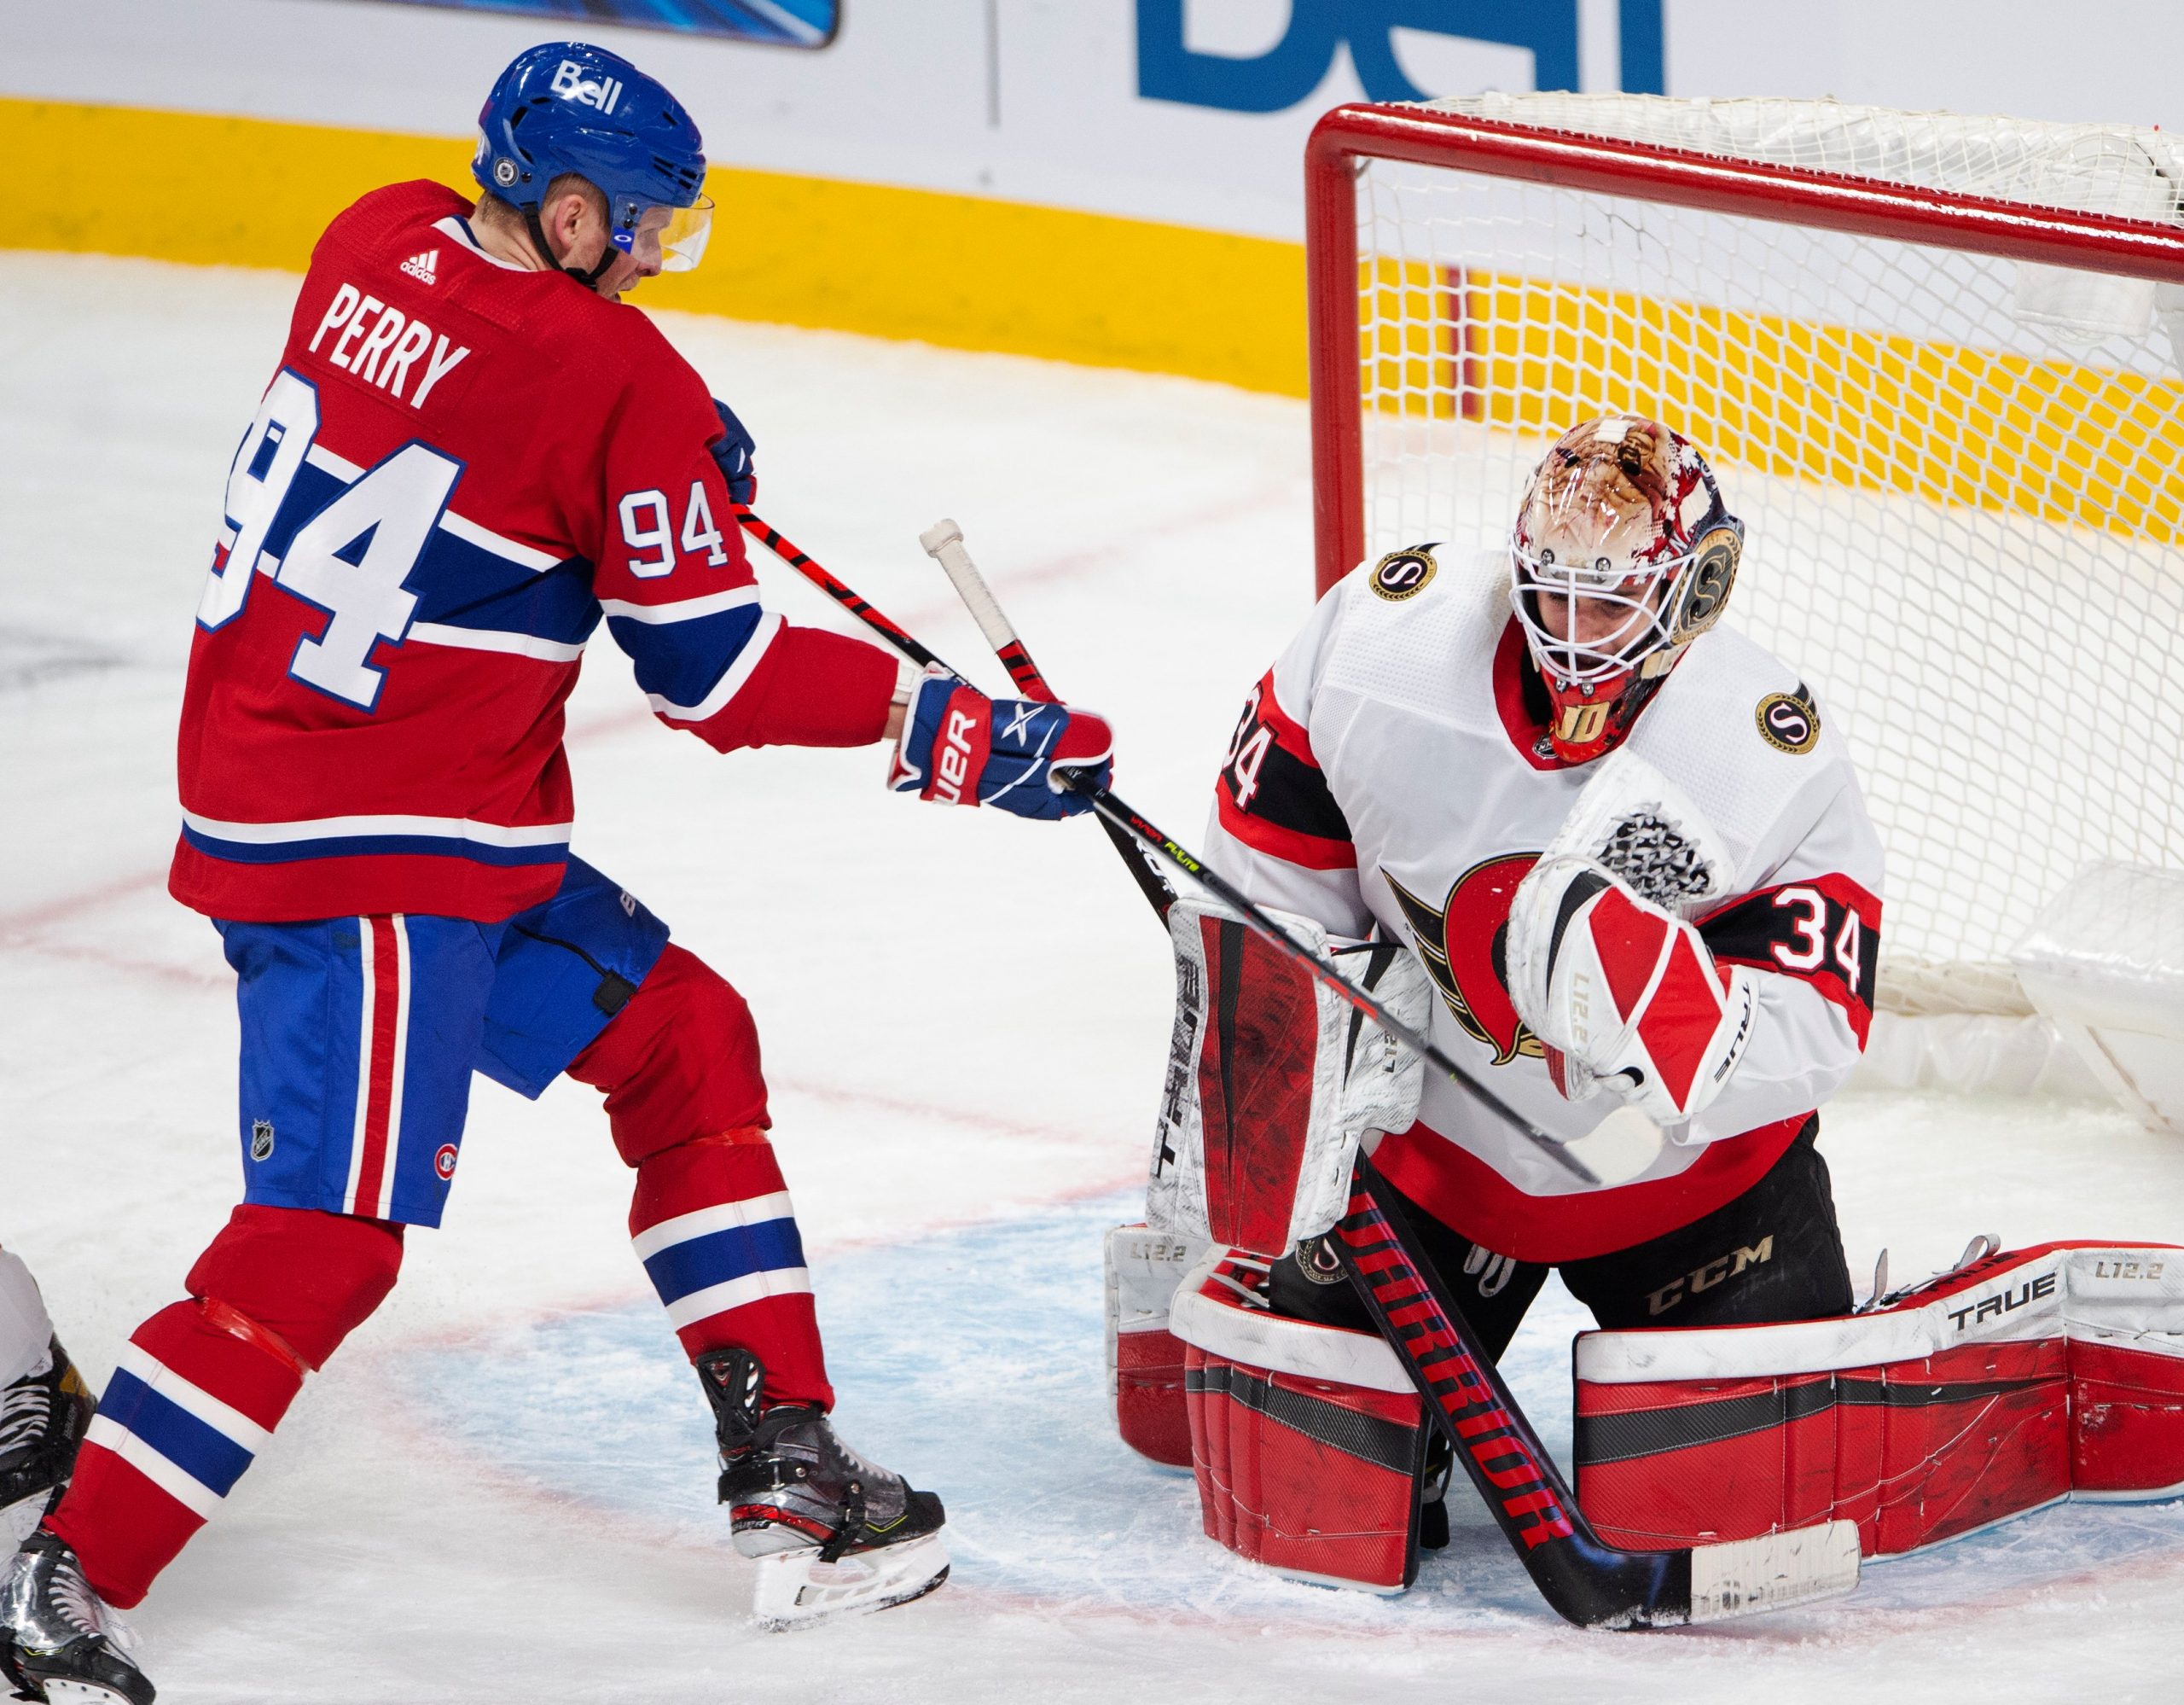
(1938, 364)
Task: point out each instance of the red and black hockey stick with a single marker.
(1584, 1580)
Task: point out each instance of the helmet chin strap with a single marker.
(590, 279)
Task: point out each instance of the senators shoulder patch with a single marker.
(1404, 574)
(1790, 722)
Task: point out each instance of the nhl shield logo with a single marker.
(261, 1139)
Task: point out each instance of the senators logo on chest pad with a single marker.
(1463, 945)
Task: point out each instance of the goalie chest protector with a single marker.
(1414, 713)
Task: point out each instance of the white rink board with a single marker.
(499, 1491)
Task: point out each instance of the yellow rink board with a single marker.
(962, 270)
(2057, 439)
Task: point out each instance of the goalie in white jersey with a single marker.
(1406, 764)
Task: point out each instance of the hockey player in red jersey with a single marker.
(471, 454)
(1628, 852)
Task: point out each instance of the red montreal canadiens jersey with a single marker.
(1393, 769)
(459, 470)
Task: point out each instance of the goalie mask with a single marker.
(1623, 554)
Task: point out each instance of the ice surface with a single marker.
(499, 1491)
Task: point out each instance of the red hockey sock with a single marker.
(203, 1383)
(711, 1218)
(712, 1224)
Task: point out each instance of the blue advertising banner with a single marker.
(786, 23)
(1168, 70)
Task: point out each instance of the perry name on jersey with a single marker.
(459, 468)
(1392, 770)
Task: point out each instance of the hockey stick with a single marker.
(1586, 1581)
(943, 543)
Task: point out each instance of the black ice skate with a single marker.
(832, 1533)
(42, 1417)
(58, 1640)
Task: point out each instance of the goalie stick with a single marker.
(1582, 1579)
(1585, 1581)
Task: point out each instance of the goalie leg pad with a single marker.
(1273, 1080)
(1307, 1441)
(2027, 1377)
(1145, 1359)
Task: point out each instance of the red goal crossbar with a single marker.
(1350, 135)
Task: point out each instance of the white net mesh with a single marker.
(1962, 478)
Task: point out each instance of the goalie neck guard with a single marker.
(1623, 554)
(568, 107)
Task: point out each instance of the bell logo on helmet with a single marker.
(571, 85)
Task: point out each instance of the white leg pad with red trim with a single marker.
(2030, 1376)
(1307, 1441)
(1273, 1080)
(1145, 1359)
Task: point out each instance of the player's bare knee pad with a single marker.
(310, 1278)
(679, 1062)
(1307, 1441)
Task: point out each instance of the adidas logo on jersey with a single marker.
(424, 268)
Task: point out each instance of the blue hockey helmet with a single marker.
(565, 106)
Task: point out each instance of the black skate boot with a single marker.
(832, 1533)
(42, 1417)
(58, 1640)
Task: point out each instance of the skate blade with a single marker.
(796, 1590)
(82, 1693)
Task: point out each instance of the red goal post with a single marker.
(1963, 452)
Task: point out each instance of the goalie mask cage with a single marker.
(1935, 362)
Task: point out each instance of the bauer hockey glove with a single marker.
(961, 748)
(736, 452)
(1622, 993)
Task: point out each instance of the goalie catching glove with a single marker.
(1622, 993)
(961, 748)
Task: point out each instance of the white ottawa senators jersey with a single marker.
(1393, 768)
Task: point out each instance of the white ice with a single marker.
(501, 1490)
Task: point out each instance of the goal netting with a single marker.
(1935, 361)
